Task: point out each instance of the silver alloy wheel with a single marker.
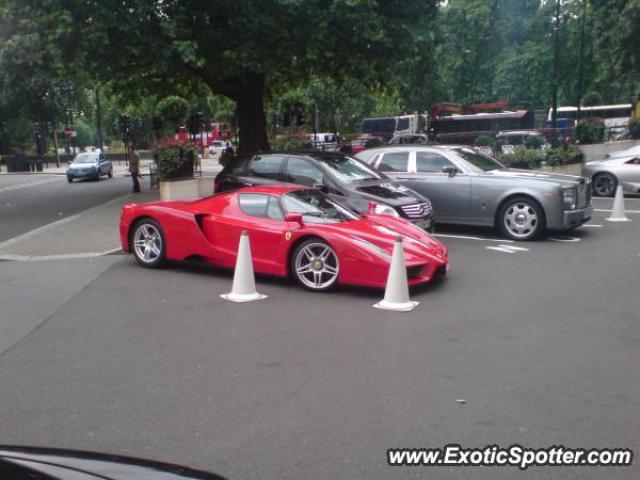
(604, 185)
(520, 219)
(147, 243)
(316, 266)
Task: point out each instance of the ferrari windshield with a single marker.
(316, 207)
(477, 161)
(347, 169)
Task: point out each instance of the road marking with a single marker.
(466, 237)
(592, 225)
(11, 188)
(507, 249)
(565, 239)
(64, 256)
(626, 211)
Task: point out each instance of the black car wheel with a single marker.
(111, 173)
(315, 265)
(69, 179)
(604, 185)
(148, 243)
(521, 218)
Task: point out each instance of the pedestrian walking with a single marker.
(134, 169)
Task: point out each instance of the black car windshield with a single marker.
(347, 169)
(86, 158)
(316, 207)
(477, 161)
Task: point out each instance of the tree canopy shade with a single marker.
(241, 48)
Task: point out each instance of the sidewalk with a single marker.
(90, 233)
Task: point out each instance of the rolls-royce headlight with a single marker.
(569, 197)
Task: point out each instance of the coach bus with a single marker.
(616, 117)
(388, 127)
(464, 129)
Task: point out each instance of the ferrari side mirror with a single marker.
(293, 217)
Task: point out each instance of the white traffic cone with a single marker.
(396, 293)
(618, 214)
(244, 283)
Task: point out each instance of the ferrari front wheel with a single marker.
(148, 241)
(315, 265)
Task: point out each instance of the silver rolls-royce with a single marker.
(468, 187)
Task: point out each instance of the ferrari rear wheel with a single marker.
(148, 242)
(315, 265)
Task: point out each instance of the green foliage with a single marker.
(175, 160)
(634, 128)
(590, 130)
(534, 142)
(483, 141)
(173, 111)
(292, 141)
(591, 99)
(564, 156)
(523, 158)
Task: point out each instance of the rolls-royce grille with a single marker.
(584, 194)
(417, 210)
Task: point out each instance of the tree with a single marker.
(173, 110)
(241, 49)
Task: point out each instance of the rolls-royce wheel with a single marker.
(521, 218)
(148, 243)
(315, 265)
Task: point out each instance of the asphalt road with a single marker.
(30, 201)
(537, 345)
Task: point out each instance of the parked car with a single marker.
(410, 138)
(294, 231)
(343, 178)
(510, 139)
(90, 165)
(34, 463)
(608, 173)
(627, 152)
(471, 188)
(217, 147)
(363, 142)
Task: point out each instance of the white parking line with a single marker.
(507, 249)
(592, 225)
(627, 211)
(64, 256)
(466, 237)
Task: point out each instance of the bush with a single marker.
(175, 160)
(561, 156)
(483, 141)
(534, 142)
(590, 130)
(523, 158)
(634, 128)
(292, 141)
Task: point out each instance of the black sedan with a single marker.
(348, 180)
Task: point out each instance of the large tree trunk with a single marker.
(252, 121)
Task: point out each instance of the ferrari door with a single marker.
(261, 216)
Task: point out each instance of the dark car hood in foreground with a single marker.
(28, 463)
(512, 173)
(386, 191)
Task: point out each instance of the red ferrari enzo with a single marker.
(292, 230)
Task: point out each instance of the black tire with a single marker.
(69, 179)
(111, 173)
(98, 177)
(154, 259)
(521, 218)
(604, 185)
(318, 267)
